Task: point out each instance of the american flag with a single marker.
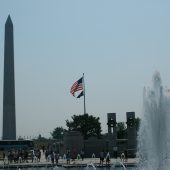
(78, 85)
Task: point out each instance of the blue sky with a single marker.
(117, 44)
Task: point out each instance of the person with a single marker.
(126, 155)
(107, 159)
(122, 157)
(64, 156)
(115, 152)
(56, 157)
(10, 156)
(101, 158)
(82, 154)
(3, 156)
(73, 155)
(46, 154)
(68, 156)
(52, 157)
(93, 155)
(32, 155)
(78, 156)
(38, 155)
(26, 156)
(43, 148)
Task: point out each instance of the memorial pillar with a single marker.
(131, 134)
(112, 133)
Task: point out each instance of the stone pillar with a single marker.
(112, 133)
(131, 134)
(9, 120)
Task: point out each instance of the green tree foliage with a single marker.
(58, 133)
(88, 125)
(121, 130)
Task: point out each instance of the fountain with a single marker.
(118, 162)
(90, 164)
(56, 168)
(154, 133)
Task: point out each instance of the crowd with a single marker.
(21, 155)
(15, 155)
(53, 156)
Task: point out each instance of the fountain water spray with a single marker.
(154, 133)
(90, 164)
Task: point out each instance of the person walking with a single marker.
(82, 155)
(107, 159)
(68, 156)
(101, 158)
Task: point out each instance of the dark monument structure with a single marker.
(108, 142)
(112, 133)
(70, 142)
(9, 120)
(131, 133)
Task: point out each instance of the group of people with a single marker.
(102, 157)
(21, 155)
(15, 155)
(52, 156)
(35, 155)
(123, 157)
(73, 156)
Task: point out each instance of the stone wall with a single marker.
(73, 141)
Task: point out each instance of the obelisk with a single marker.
(9, 120)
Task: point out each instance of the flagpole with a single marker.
(84, 95)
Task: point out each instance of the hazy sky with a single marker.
(117, 44)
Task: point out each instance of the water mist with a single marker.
(154, 133)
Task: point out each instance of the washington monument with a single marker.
(9, 120)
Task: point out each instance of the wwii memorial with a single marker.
(151, 145)
(72, 140)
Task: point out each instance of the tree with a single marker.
(121, 130)
(88, 125)
(58, 133)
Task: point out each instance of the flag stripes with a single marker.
(78, 85)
